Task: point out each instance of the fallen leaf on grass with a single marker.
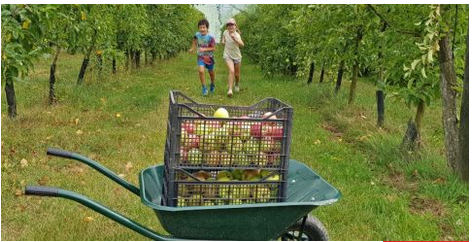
(121, 175)
(128, 166)
(76, 121)
(439, 180)
(24, 162)
(18, 192)
(49, 137)
(43, 181)
(415, 173)
(79, 132)
(118, 115)
(88, 219)
(316, 142)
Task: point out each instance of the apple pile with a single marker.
(223, 188)
(237, 142)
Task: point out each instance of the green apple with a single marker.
(252, 146)
(213, 158)
(237, 174)
(260, 159)
(221, 135)
(194, 156)
(224, 176)
(221, 113)
(234, 145)
(203, 129)
(181, 201)
(208, 203)
(209, 142)
(224, 158)
(262, 194)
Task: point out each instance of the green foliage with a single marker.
(23, 28)
(401, 41)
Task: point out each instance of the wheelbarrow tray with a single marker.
(264, 221)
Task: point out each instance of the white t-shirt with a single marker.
(232, 49)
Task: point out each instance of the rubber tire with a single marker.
(313, 229)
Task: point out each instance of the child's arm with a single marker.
(222, 39)
(239, 41)
(194, 44)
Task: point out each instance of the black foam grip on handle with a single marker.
(41, 191)
(58, 152)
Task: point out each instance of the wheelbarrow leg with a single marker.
(56, 192)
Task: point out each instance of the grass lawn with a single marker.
(120, 120)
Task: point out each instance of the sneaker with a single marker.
(212, 88)
(237, 87)
(229, 93)
(204, 91)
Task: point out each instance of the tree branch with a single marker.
(415, 34)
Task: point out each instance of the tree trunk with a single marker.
(114, 66)
(322, 72)
(11, 97)
(146, 57)
(463, 139)
(52, 77)
(127, 59)
(311, 73)
(411, 141)
(137, 59)
(85, 62)
(447, 82)
(100, 62)
(380, 105)
(356, 67)
(420, 115)
(340, 75)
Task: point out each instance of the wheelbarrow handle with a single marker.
(41, 191)
(60, 153)
(107, 212)
(97, 166)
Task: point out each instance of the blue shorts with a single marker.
(210, 67)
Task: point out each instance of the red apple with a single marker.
(275, 132)
(183, 154)
(189, 127)
(191, 141)
(257, 130)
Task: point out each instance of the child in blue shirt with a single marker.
(205, 44)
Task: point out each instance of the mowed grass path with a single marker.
(120, 120)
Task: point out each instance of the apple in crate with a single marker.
(190, 141)
(188, 126)
(273, 131)
(251, 147)
(194, 156)
(256, 130)
(234, 145)
(221, 113)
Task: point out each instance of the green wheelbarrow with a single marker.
(288, 220)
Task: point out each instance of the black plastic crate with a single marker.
(197, 189)
(253, 137)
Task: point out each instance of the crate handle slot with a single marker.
(189, 174)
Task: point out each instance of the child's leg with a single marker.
(212, 76)
(237, 73)
(202, 75)
(231, 73)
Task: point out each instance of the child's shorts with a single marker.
(209, 67)
(235, 61)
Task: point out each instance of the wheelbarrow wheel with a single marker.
(313, 230)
